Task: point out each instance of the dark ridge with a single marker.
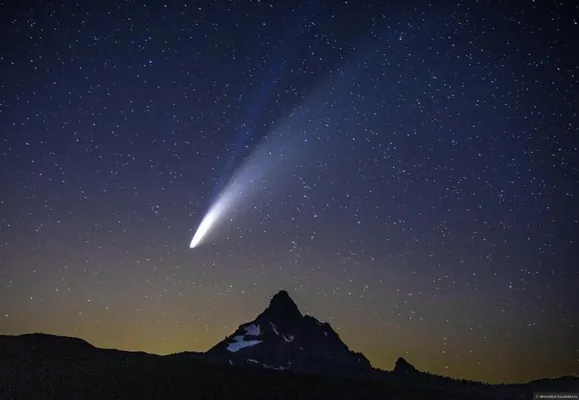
(403, 366)
(44, 341)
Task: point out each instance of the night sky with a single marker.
(414, 175)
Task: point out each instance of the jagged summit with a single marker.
(282, 299)
(281, 310)
(281, 337)
(282, 293)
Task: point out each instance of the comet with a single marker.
(250, 177)
(248, 181)
(206, 224)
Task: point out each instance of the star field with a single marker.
(421, 194)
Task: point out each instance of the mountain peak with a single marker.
(281, 297)
(282, 293)
(282, 306)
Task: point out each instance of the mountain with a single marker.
(282, 338)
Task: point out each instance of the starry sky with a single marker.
(418, 175)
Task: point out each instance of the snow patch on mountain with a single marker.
(288, 338)
(272, 367)
(239, 343)
(274, 328)
(252, 330)
(251, 360)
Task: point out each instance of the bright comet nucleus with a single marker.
(218, 210)
(203, 228)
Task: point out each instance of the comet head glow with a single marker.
(221, 208)
(204, 227)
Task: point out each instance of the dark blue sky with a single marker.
(426, 206)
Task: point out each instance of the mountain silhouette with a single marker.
(282, 338)
(281, 354)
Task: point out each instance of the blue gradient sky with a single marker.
(426, 205)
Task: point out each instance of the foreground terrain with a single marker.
(281, 354)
